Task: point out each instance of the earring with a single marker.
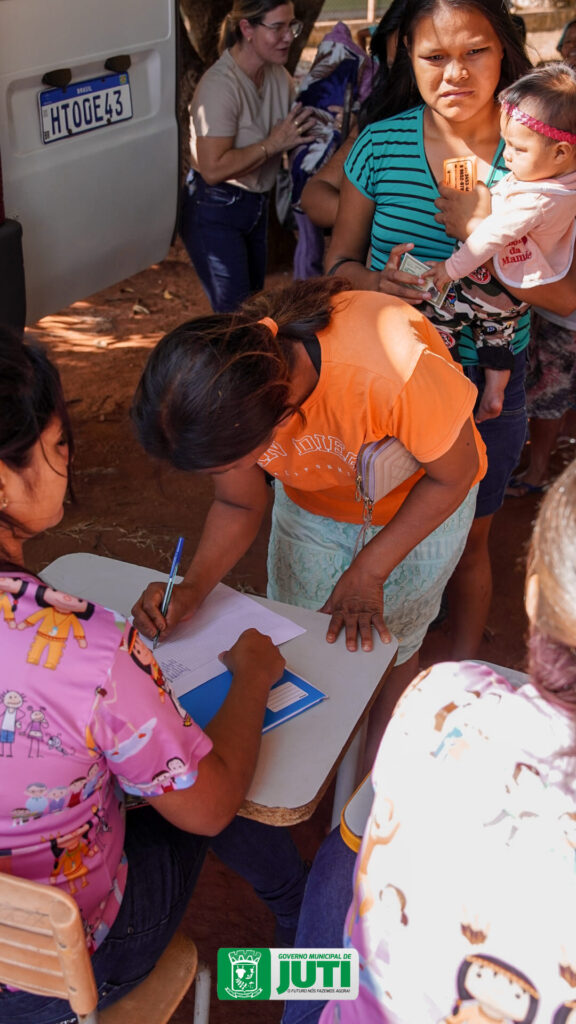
(3, 503)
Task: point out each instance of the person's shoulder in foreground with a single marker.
(473, 807)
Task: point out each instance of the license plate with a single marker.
(84, 107)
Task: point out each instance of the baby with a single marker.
(531, 231)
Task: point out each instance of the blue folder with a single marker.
(205, 700)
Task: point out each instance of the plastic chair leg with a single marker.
(347, 775)
(202, 994)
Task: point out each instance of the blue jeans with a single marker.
(504, 436)
(163, 867)
(224, 229)
(326, 900)
(267, 858)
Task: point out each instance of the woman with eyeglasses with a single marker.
(241, 121)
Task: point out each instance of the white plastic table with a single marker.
(297, 760)
(356, 810)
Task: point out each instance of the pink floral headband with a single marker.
(537, 126)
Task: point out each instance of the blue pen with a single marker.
(170, 585)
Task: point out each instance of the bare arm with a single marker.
(356, 603)
(351, 238)
(219, 159)
(233, 520)
(321, 195)
(350, 243)
(225, 774)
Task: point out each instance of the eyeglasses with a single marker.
(281, 27)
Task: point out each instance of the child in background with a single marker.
(531, 231)
(567, 43)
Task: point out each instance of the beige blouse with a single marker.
(227, 104)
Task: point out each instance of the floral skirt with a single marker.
(307, 555)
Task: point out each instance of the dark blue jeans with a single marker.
(224, 229)
(504, 436)
(326, 900)
(163, 867)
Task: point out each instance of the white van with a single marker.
(88, 146)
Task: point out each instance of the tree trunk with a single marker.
(202, 19)
(307, 11)
(190, 68)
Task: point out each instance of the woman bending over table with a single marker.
(240, 124)
(284, 388)
(453, 58)
(82, 722)
(464, 889)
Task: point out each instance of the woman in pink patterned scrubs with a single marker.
(81, 722)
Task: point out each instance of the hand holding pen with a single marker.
(170, 585)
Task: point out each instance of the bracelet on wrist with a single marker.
(266, 153)
(338, 264)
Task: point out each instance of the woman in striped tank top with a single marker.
(453, 58)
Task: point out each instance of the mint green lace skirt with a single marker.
(307, 555)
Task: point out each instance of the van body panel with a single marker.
(99, 206)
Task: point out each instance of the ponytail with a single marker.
(215, 388)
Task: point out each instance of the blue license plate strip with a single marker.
(84, 107)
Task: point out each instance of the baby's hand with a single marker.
(438, 274)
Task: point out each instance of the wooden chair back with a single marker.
(43, 950)
(42, 944)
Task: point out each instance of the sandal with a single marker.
(519, 488)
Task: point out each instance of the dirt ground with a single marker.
(128, 508)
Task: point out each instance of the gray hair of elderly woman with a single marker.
(553, 558)
(552, 602)
(250, 10)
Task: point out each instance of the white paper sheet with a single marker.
(190, 655)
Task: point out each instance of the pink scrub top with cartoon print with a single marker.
(85, 714)
(464, 905)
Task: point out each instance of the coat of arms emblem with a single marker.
(244, 974)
